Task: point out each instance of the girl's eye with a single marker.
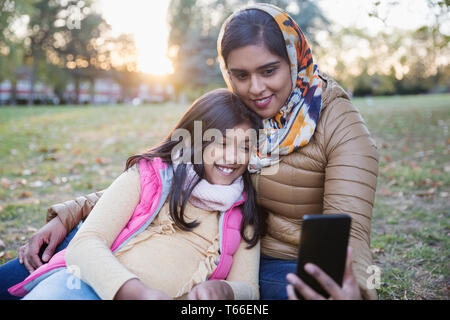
(241, 76)
(245, 148)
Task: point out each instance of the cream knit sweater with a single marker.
(163, 257)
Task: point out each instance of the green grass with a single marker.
(53, 154)
(411, 225)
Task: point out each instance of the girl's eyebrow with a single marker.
(270, 64)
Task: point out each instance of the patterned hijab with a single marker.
(294, 125)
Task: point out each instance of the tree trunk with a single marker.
(77, 90)
(91, 90)
(14, 92)
(32, 82)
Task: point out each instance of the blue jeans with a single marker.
(62, 285)
(13, 272)
(272, 277)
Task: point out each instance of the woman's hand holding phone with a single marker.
(348, 291)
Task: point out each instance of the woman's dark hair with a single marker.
(218, 109)
(253, 27)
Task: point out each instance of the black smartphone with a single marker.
(323, 242)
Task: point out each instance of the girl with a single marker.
(167, 224)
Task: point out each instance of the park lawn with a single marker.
(52, 154)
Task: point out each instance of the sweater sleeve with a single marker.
(90, 250)
(350, 181)
(244, 274)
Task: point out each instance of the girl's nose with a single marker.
(231, 153)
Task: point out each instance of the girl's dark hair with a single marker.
(219, 109)
(253, 27)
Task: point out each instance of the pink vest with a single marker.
(156, 179)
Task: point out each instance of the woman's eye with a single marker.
(269, 72)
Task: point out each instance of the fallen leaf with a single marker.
(101, 160)
(385, 192)
(437, 184)
(426, 182)
(9, 255)
(435, 171)
(52, 157)
(74, 170)
(5, 183)
(31, 229)
(76, 151)
(26, 172)
(25, 194)
(37, 184)
(413, 165)
(426, 193)
(377, 250)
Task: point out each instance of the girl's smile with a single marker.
(226, 159)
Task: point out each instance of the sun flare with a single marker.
(146, 21)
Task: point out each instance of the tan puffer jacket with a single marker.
(336, 172)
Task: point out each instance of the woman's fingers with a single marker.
(20, 255)
(303, 288)
(348, 273)
(327, 283)
(291, 292)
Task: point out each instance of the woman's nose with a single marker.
(256, 86)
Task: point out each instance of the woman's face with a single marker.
(226, 158)
(260, 78)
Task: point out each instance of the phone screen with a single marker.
(323, 242)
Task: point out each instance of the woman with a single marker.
(322, 161)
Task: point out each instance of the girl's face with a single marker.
(260, 78)
(226, 158)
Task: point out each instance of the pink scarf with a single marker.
(212, 197)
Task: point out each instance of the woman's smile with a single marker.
(262, 103)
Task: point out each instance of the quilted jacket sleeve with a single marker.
(71, 212)
(351, 179)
